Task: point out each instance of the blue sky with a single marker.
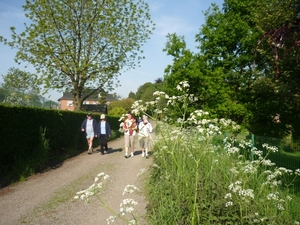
(183, 17)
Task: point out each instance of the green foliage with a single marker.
(20, 88)
(230, 78)
(281, 17)
(82, 45)
(227, 43)
(148, 93)
(117, 111)
(145, 91)
(198, 179)
(132, 95)
(266, 93)
(193, 181)
(141, 90)
(43, 136)
(214, 95)
(43, 150)
(21, 81)
(125, 103)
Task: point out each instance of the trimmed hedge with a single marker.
(31, 138)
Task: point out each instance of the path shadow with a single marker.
(139, 152)
(111, 150)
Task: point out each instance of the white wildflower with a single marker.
(280, 207)
(230, 203)
(128, 201)
(228, 195)
(130, 189)
(270, 148)
(141, 172)
(111, 219)
(273, 196)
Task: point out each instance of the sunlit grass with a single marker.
(196, 179)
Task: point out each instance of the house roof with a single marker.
(69, 96)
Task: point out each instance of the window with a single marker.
(69, 103)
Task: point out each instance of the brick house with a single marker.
(90, 104)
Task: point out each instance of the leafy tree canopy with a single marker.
(125, 104)
(214, 95)
(145, 91)
(224, 76)
(142, 89)
(131, 95)
(76, 45)
(20, 81)
(280, 24)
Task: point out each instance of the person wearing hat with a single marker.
(103, 132)
(89, 125)
(145, 128)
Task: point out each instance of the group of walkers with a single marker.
(131, 127)
(93, 129)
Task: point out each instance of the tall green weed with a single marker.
(195, 180)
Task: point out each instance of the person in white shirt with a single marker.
(145, 128)
(103, 132)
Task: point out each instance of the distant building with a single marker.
(91, 104)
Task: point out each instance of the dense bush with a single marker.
(31, 138)
(117, 111)
(125, 103)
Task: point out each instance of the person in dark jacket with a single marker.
(89, 125)
(103, 133)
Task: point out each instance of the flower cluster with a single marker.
(130, 189)
(93, 189)
(127, 206)
(270, 148)
(244, 194)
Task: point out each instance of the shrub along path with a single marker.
(48, 198)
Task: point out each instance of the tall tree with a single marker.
(206, 83)
(141, 90)
(227, 41)
(21, 81)
(145, 91)
(131, 95)
(280, 24)
(76, 45)
(21, 87)
(280, 43)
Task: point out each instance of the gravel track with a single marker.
(48, 198)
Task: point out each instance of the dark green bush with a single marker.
(33, 138)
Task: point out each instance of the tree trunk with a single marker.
(77, 101)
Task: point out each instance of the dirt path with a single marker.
(48, 198)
